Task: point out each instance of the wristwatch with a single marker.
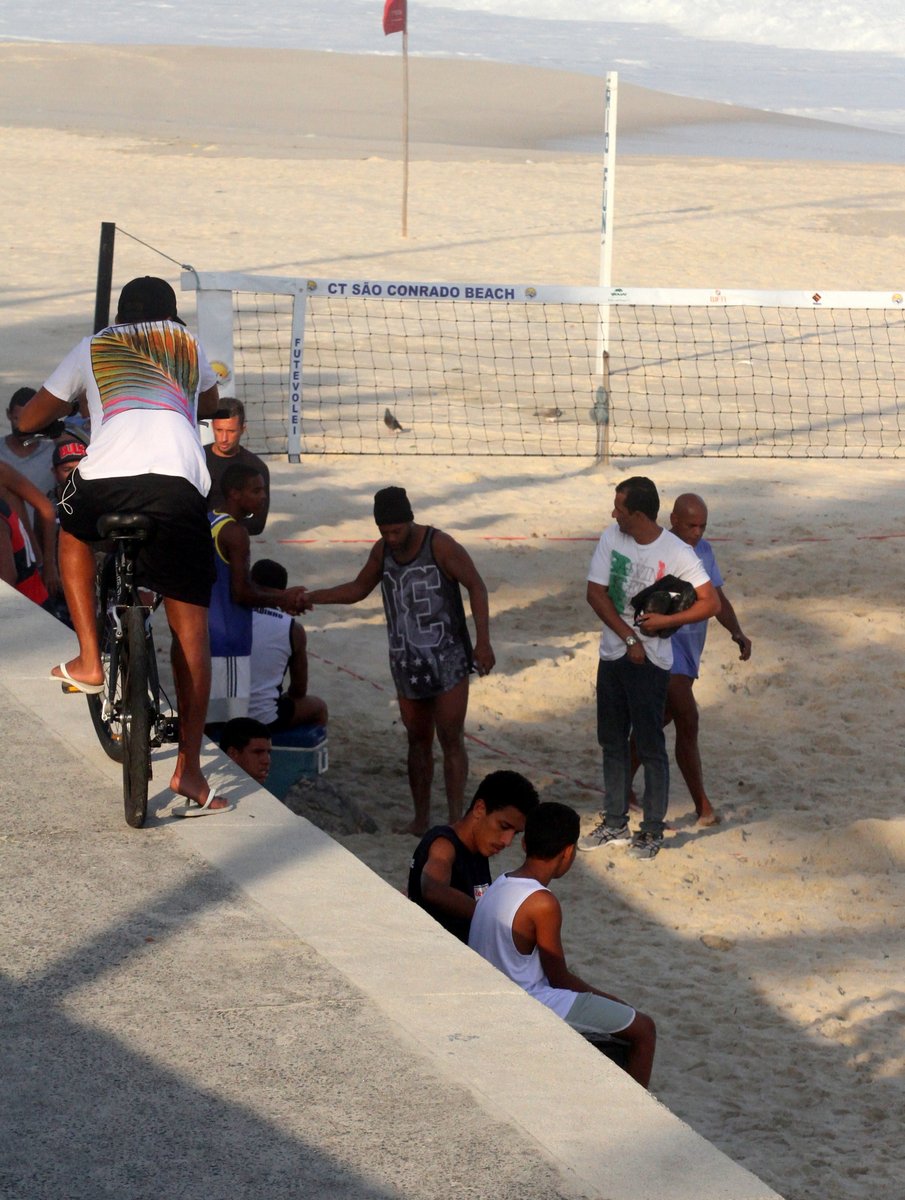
(631, 640)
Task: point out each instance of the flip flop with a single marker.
(90, 689)
(194, 809)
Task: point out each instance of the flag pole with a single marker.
(395, 20)
(405, 132)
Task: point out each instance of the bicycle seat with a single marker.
(125, 525)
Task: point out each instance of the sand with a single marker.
(769, 948)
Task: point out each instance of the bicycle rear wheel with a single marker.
(136, 720)
(106, 709)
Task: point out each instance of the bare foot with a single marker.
(193, 786)
(709, 817)
(413, 829)
(80, 671)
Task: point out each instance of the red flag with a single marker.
(394, 16)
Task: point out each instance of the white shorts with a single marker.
(591, 1014)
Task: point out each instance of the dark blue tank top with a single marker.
(470, 875)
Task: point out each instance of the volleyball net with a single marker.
(358, 366)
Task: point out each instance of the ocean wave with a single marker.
(871, 26)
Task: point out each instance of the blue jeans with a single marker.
(631, 699)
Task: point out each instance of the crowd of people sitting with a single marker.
(250, 603)
(115, 428)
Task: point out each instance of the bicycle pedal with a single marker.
(168, 729)
(68, 690)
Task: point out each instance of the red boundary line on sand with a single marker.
(549, 537)
(588, 787)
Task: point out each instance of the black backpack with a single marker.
(667, 595)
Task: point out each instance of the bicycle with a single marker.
(132, 715)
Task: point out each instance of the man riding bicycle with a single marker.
(147, 381)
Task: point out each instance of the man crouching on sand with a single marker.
(517, 926)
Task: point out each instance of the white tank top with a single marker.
(491, 936)
(271, 647)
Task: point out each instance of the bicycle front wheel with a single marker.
(136, 720)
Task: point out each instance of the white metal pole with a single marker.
(609, 179)
(405, 132)
(602, 399)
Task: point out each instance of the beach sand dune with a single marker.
(299, 103)
(770, 948)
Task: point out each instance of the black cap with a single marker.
(147, 299)
(391, 507)
(73, 451)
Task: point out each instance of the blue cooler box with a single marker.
(299, 753)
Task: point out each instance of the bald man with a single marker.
(688, 521)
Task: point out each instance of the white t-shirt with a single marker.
(625, 567)
(142, 383)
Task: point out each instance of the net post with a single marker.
(601, 410)
(296, 365)
(611, 96)
(104, 276)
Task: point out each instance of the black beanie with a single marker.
(391, 507)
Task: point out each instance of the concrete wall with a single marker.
(607, 1137)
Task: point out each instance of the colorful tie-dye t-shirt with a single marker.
(142, 382)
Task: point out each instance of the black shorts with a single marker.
(283, 719)
(178, 559)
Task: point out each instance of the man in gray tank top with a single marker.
(420, 571)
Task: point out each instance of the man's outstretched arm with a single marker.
(356, 589)
(235, 545)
